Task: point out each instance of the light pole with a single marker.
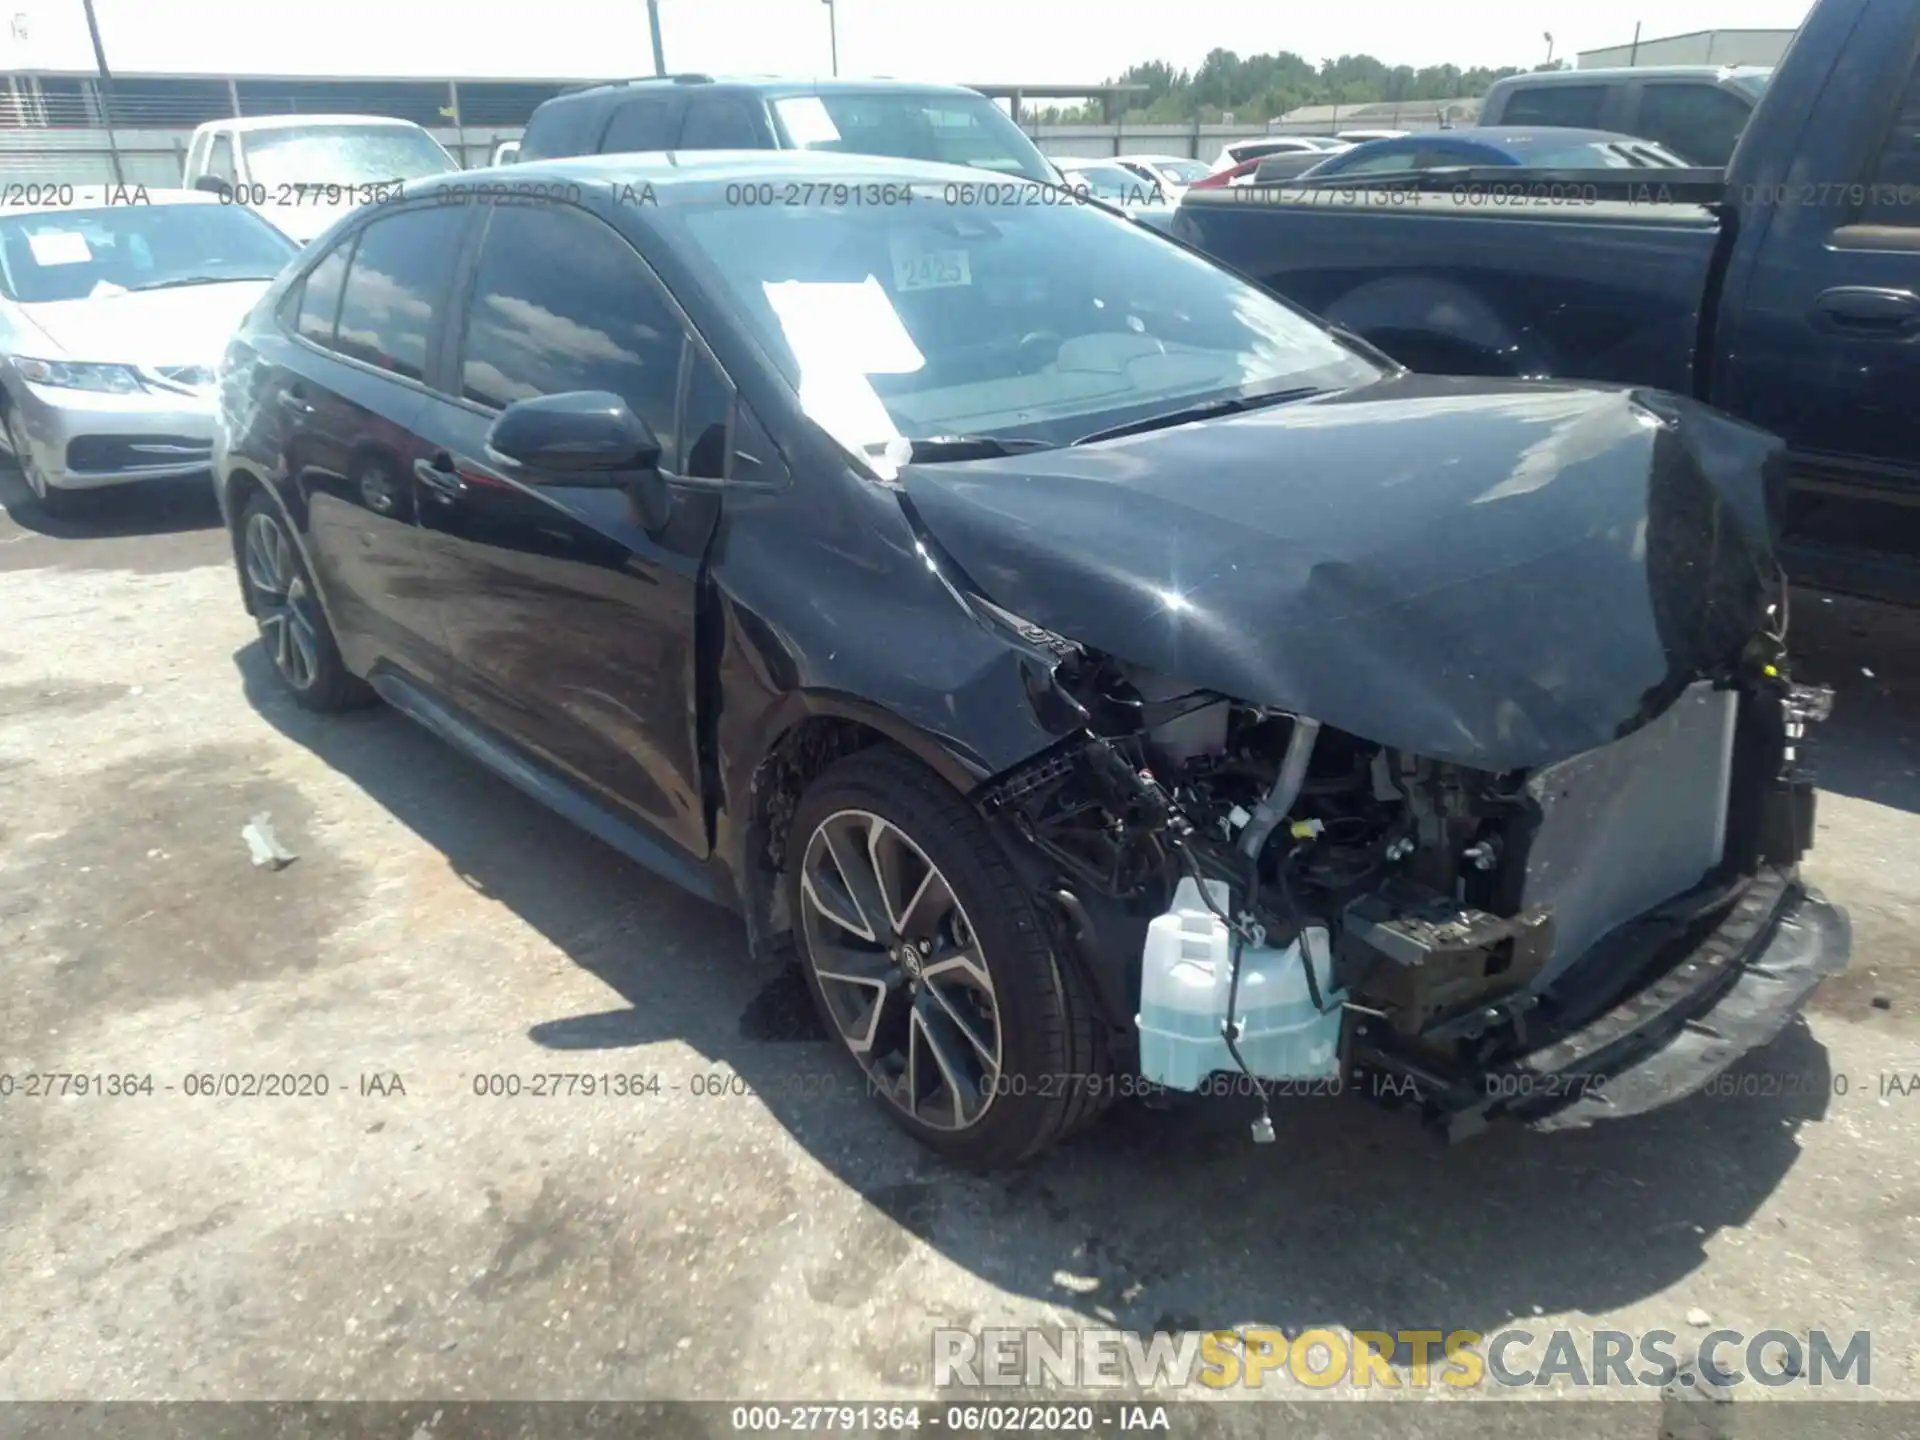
(653, 23)
(833, 32)
(1549, 38)
(106, 91)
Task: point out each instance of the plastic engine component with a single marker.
(1184, 984)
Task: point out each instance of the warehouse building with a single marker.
(1696, 47)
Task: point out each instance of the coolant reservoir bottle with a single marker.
(1186, 974)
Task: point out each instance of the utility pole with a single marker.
(106, 91)
(1633, 57)
(653, 22)
(833, 32)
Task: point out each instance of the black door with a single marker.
(1825, 350)
(350, 401)
(571, 627)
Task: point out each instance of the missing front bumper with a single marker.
(1732, 994)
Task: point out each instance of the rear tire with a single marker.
(974, 1036)
(293, 628)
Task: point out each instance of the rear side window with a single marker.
(643, 124)
(1578, 106)
(396, 286)
(721, 122)
(320, 296)
(1699, 123)
(598, 322)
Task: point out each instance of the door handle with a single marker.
(1868, 310)
(291, 400)
(438, 475)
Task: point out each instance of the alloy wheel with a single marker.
(899, 966)
(283, 602)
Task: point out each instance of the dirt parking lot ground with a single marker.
(752, 1227)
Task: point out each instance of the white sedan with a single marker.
(113, 315)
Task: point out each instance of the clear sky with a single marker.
(982, 41)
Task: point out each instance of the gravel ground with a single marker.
(750, 1227)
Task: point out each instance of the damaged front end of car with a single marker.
(1466, 940)
(1491, 881)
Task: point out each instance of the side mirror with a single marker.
(585, 438)
(213, 185)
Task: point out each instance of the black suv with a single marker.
(945, 123)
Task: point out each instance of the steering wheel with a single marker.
(1037, 349)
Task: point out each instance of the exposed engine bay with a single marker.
(1454, 901)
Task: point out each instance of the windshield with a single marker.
(75, 254)
(1754, 82)
(951, 129)
(343, 155)
(1183, 172)
(1043, 322)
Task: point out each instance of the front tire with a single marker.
(930, 961)
(50, 500)
(293, 628)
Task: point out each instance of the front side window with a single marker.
(1047, 322)
(1893, 197)
(395, 287)
(951, 130)
(1575, 106)
(343, 155)
(85, 254)
(1701, 123)
(708, 420)
(595, 322)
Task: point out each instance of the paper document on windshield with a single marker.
(59, 247)
(840, 334)
(807, 121)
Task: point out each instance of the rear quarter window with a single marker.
(643, 123)
(562, 127)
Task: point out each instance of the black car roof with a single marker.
(672, 169)
(771, 86)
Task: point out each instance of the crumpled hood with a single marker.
(1496, 573)
(188, 325)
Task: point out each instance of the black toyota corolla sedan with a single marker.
(1100, 676)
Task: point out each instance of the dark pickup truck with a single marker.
(1784, 289)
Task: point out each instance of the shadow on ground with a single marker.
(155, 526)
(1870, 654)
(1152, 1220)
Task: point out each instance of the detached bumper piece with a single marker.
(1733, 993)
